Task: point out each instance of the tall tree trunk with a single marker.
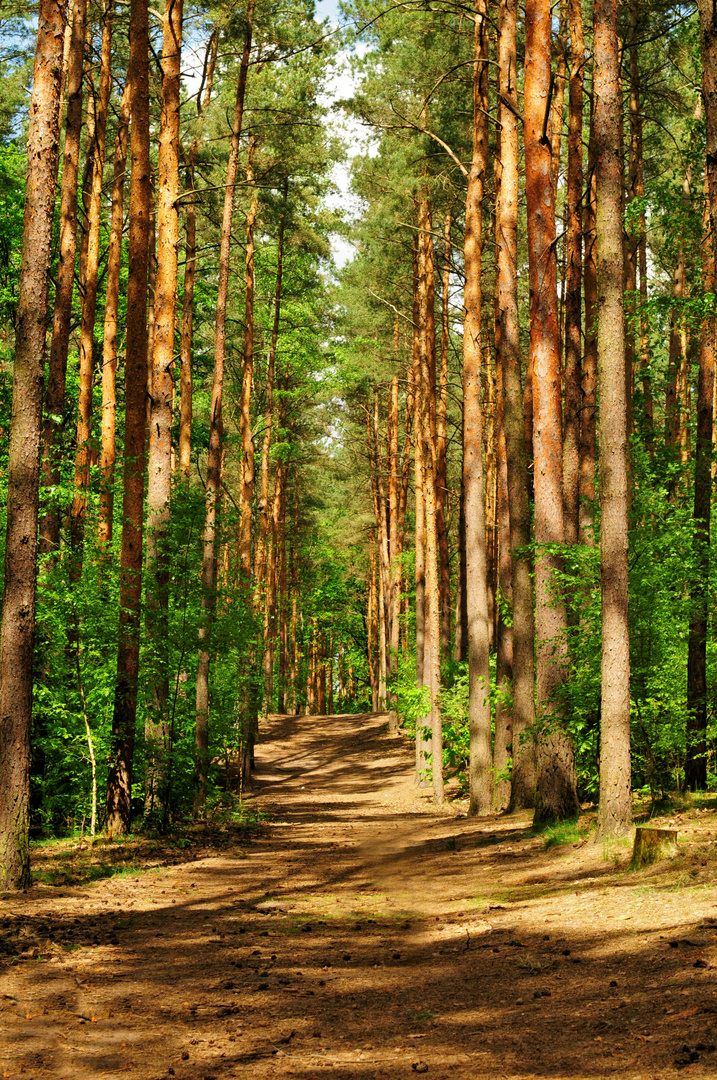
(159, 473)
(432, 640)
(491, 548)
(260, 557)
(523, 780)
(573, 280)
(557, 101)
(395, 543)
(696, 757)
(371, 628)
(216, 431)
(588, 442)
(638, 187)
(18, 608)
(119, 780)
(246, 491)
(190, 270)
(89, 300)
(504, 635)
(615, 811)
(556, 785)
(479, 717)
(418, 480)
(441, 443)
(108, 452)
(57, 368)
(460, 643)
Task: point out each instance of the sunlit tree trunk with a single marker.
(260, 557)
(696, 757)
(418, 466)
(18, 609)
(57, 366)
(159, 472)
(372, 628)
(479, 717)
(588, 442)
(395, 542)
(89, 301)
(108, 451)
(432, 639)
(523, 748)
(190, 270)
(119, 780)
(504, 636)
(615, 813)
(556, 782)
(491, 548)
(246, 490)
(216, 432)
(441, 443)
(573, 280)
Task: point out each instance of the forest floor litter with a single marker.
(362, 932)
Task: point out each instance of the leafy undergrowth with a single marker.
(79, 861)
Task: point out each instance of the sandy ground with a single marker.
(366, 933)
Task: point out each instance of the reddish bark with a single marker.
(556, 785)
(18, 609)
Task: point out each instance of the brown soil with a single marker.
(365, 933)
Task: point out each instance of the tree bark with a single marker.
(108, 452)
(57, 367)
(216, 431)
(260, 557)
(190, 272)
(588, 442)
(89, 302)
(479, 717)
(556, 782)
(119, 780)
(246, 491)
(441, 443)
(696, 757)
(159, 473)
(615, 811)
(504, 635)
(18, 608)
(523, 746)
(573, 280)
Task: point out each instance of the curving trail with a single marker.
(368, 934)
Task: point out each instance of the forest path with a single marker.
(368, 934)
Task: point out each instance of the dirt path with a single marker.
(366, 934)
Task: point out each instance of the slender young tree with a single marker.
(696, 757)
(615, 811)
(17, 632)
(119, 780)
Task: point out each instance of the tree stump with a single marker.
(653, 844)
